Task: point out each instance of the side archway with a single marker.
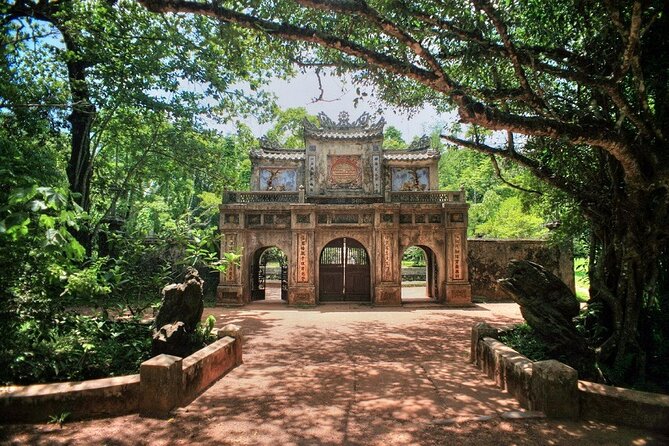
(269, 274)
(420, 272)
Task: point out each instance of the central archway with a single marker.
(344, 272)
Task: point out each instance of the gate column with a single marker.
(301, 285)
(458, 288)
(388, 274)
(229, 290)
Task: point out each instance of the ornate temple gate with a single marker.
(344, 272)
(309, 202)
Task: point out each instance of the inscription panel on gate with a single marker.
(387, 258)
(344, 172)
(457, 256)
(230, 246)
(302, 258)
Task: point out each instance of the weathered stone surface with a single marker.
(488, 260)
(171, 339)
(182, 302)
(522, 415)
(549, 307)
(554, 389)
(160, 385)
(624, 406)
(479, 331)
(180, 311)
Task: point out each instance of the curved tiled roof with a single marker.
(407, 155)
(279, 154)
(361, 128)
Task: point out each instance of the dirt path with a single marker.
(345, 374)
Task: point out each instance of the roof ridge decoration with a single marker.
(422, 143)
(266, 143)
(361, 128)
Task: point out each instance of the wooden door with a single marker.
(344, 272)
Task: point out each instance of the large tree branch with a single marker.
(543, 172)
(390, 28)
(537, 103)
(601, 135)
(299, 33)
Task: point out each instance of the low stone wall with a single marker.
(87, 399)
(488, 260)
(553, 387)
(624, 406)
(164, 382)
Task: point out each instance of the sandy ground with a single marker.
(346, 374)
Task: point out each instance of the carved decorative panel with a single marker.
(344, 218)
(344, 172)
(278, 179)
(232, 219)
(303, 218)
(457, 256)
(253, 219)
(303, 258)
(387, 218)
(376, 169)
(282, 219)
(407, 179)
(312, 172)
(386, 242)
(230, 245)
(405, 219)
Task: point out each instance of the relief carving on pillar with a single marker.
(457, 256)
(230, 245)
(303, 258)
(387, 258)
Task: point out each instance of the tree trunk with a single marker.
(79, 165)
(627, 249)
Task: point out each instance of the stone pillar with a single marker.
(458, 288)
(387, 261)
(554, 389)
(229, 289)
(301, 283)
(480, 331)
(160, 382)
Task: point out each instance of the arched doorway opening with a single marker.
(419, 273)
(269, 275)
(344, 272)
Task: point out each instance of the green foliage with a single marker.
(414, 256)
(392, 138)
(523, 339)
(64, 346)
(203, 335)
(60, 418)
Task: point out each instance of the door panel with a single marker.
(344, 272)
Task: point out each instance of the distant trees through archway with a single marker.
(419, 269)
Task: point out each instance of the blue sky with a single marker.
(339, 95)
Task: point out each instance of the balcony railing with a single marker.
(261, 197)
(299, 197)
(442, 196)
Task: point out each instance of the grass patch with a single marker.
(522, 339)
(581, 278)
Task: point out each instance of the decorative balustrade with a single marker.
(428, 197)
(261, 197)
(298, 197)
